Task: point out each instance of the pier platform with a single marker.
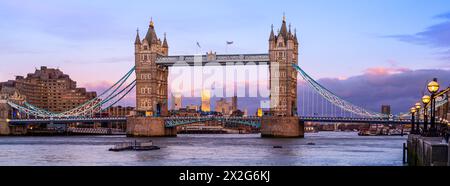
(427, 151)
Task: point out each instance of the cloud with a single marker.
(377, 71)
(436, 36)
(398, 88)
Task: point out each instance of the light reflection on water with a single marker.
(330, 148)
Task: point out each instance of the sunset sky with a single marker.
(369, 52)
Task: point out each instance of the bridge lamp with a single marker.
(426, 99)
(433, 87)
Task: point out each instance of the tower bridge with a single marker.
(151, 67)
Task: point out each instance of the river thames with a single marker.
(316, 149)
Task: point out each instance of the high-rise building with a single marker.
(206, 101)
(51, 89)
(234, 103)
(151, 79)
(386, 109)
(176, 101)
(283, 52)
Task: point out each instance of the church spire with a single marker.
(138, 39)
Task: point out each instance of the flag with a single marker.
(229, 42)
(198, 44)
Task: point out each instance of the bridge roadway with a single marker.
(176, 121)
(214, 60)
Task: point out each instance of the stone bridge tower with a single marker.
(151, 79)
(283, 52)
(151, 88)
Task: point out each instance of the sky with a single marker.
(342, 42)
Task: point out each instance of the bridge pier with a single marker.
(149, 127)
(282, 127)
(4, 113)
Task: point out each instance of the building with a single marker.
(224, 107)
(176, 101)
(151, 79)
(193, 107)
(49, 89)
(283, 52)
(206, 101)
(234, 103)
(386, 109)
(443, 111)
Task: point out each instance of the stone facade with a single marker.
(283, 52)
(4, 113)
(282, 127)
(148, 127)
(151, 79)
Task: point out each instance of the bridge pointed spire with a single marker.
(138, 39)
(272, 35)
(151, 34)
(284, 31)
(295, 36)
(165, 45)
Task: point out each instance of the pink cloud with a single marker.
(380, 71)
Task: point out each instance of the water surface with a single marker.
(330, 148)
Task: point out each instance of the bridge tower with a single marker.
(283, 52)
(151, 79)
(151, 87)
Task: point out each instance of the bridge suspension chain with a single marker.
(334, 99)
(89, 107)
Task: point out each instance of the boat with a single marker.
(130, 146)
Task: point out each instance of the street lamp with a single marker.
(418, 106)
(413, 128)
(433, 87)
(425, 100)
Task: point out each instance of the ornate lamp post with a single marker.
(433, 87)
(418, 106)
(426, 99)
(413, 128)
